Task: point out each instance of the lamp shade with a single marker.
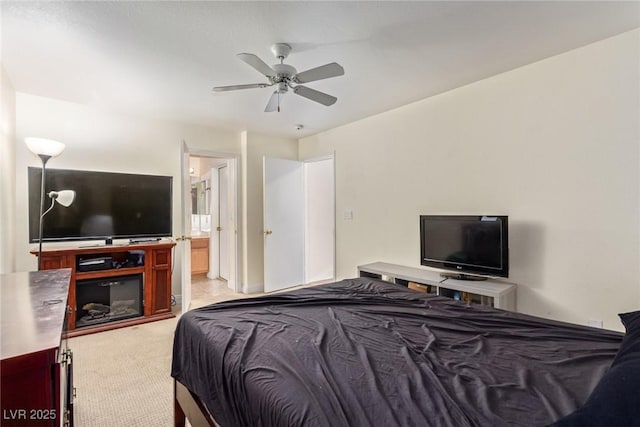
(64, 197)
(46, 147)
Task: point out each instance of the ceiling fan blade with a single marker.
(323, 72)
(257, 63)
(315, 95)
(237, 87)
(274, 103)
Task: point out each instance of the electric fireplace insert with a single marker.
(108, 299)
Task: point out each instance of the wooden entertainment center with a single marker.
(152, 270)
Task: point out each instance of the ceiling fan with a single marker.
(285, 77)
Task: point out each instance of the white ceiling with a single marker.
(161, 59)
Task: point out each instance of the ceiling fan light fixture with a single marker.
(285, 77)
(282, 87)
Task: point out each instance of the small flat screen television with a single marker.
(474, 244)
(107, 205)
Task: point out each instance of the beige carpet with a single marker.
(122, 377)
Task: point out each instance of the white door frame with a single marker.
(185, 228)
(234, 181)
(223, 212)
(331, 157)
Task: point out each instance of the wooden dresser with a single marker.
(36, 366)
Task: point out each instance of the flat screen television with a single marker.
(460, 244)
(107, 205)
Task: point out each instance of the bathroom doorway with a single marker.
(210, 203)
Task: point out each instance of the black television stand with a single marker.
(460, 276)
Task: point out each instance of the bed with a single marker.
(364, 352)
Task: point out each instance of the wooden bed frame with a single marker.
(187, 405)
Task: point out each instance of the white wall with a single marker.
(554, 145)
(108, 141)
(8, 173)
(104, 141)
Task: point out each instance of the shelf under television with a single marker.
(83, 275)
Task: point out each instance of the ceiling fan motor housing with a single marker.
(283, 76)
(284, 70)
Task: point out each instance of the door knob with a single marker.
(219, 228)
(267, 232)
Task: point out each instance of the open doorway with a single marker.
(209, 198)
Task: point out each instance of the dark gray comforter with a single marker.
(363, 352)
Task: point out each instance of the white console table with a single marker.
(487, 292)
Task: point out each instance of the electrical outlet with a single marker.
(594, 323)
(348, 214)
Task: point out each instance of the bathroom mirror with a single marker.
(200, 218)
(199, 199)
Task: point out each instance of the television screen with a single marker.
(107, 204)
(465, 244)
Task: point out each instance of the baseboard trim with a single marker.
(253, 288)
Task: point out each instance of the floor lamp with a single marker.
(44, 149)
(63, 197)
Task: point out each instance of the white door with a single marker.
(214, 237)
(186, 229)
(283, 224)
(225, 226)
